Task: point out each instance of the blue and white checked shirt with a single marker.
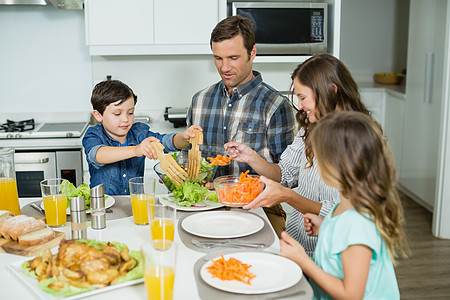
(255, 114)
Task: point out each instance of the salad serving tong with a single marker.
(172, 169)
(194, 155)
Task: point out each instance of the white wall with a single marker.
(374, 36)
(45, 65)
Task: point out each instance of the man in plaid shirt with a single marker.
(241, 107)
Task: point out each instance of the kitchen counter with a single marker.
(395, 89)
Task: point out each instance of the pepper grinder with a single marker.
(98, 212)
(78, 215)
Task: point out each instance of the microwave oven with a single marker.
(287, 28)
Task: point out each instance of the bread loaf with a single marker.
(4, 215)
(37, 237)
(13, 227)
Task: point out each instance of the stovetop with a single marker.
(29, 129)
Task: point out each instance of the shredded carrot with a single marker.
(219, 160)
(245, 191)
(231, 269)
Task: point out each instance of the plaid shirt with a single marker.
(255, 114)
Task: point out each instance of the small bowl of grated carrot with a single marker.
(238, 190)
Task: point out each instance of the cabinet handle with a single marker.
(429, 59)
(31, 162)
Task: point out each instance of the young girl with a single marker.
(362, 235)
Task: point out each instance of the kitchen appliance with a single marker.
(29, 129)
(42, 151)
(33, 167)
(177, 116)
(287, 28)
(61, 4)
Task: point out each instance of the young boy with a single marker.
(117, 148)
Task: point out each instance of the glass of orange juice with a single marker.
(159, 269)
(162, 221)
(9, 198)
(142, 191)
(55, 203)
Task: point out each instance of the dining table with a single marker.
(188, 283)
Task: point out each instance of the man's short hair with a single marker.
(232, 26)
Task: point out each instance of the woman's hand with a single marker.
(272, 194)
(240, 152)
(312, 224)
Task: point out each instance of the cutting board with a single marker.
(13, 247)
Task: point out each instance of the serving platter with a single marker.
(171, 201)
(32, 283)
(273, 273)
(222, 224)
(109, 201)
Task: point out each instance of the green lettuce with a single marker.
(69, 190)
(192, 193)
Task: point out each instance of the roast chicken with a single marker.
(83, 263)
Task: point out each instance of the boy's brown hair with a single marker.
(110, 91)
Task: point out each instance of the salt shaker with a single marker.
(78, 216)
(98, 212)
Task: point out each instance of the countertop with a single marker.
(396, 89)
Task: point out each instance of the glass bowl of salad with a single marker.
(238, 190)
(205, 175)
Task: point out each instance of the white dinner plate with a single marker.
(109, 201)
(273, 273)
(32, 283)
(222, 224)
(171, 201)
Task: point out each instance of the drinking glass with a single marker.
(159, 269)
(142, 191)
(55, 203)
(8, 187)
(162, 221)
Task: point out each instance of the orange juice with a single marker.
(139, 207)
(162, 229)
(9, 199)
(159, 282)
(55, 209)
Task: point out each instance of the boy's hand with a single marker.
(292, 249)
(181, 140)
(145, 148)
(312, 224)
(188, 133)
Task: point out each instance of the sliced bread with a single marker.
(36, 237)
(16, 226)
(5, 215)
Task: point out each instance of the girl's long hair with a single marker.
(333, 87)
(353, 157)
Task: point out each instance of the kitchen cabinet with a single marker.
(375, 100)
(425, 85)
(139, 27)
(393, 125)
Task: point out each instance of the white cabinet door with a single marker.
(185, 22)
(375, 102)
(423, 106)
(393, 126)
(118, 22)
(141, 27)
